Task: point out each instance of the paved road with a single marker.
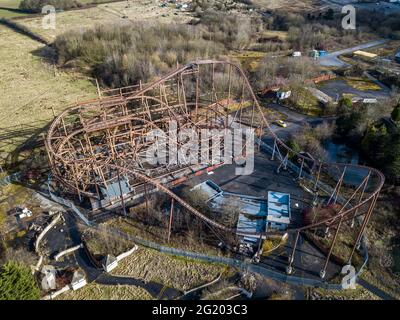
(332, 60)
(295, 121)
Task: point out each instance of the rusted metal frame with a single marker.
(51, 160)
(261, 131)
(229, 95)
(214, 93)
(170, 109)
(301, 168)
(238, 109)
(323, 271)
(145, 197)
(273, 151)
(96, 185)
(360, 199)
(241, 102)
(178, 90)
(170, 219)
(283, 160)
(340, 184)
(110, 143)
(75, 174)
(184, 94)
(90, 148)
(337, 186)
(63, 124)
(283, 163)
(75, 178)
(318, 176)
(197, 94)
(352, 196)
(291, 256)
(132, 135)
(120, 192)
(252, 114)
(339, 225)
(363, 225)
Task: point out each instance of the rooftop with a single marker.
(278, 207)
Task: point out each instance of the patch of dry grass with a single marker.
(179, 273)
(30, 88)
(159, 234)
(289, 5)
(106, 14)
(362, 84)
(351, 294)
(94, 291)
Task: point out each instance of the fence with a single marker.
(227, 261)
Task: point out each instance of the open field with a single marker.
(179, 273)
(30, 88)
(12, 4)
(159, 234)
(362, 84)
(289, 5)
(352, 294)
(106, 14)
(389, 48)
(7, 9)
(95, 291)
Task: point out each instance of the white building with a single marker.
(78, 280)
(24, 213)
(109, 263)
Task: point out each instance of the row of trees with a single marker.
(36, 6)
(312, 140)
(379, 141)
(121, 55)
(17, 283)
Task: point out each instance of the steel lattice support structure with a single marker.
(94, 143)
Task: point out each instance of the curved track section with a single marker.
(94, 142)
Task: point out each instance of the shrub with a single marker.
(121, 54)
(37, 5)
(17, 283)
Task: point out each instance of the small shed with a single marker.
(109, 263)
(78, 280)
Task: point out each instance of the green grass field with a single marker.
(8, 9)
(30, 88)
(12, 4)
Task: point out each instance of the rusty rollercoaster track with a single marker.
(91, 144)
